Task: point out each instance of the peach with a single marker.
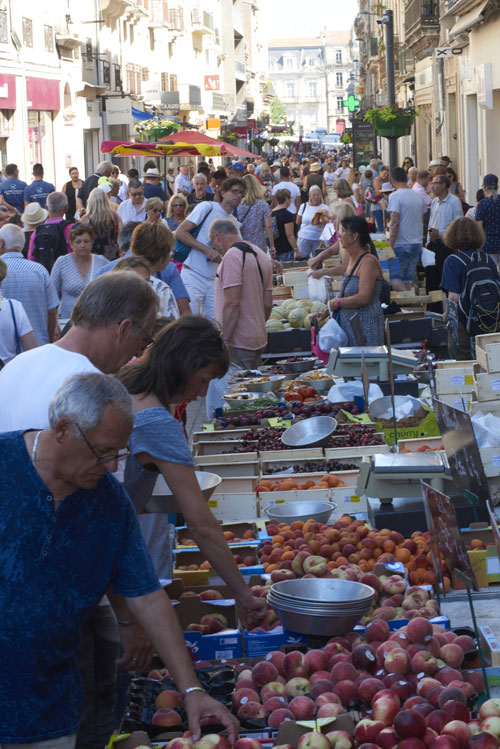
(452, 655)
(347, 691)
(275, 703)
(242, 696)
(294, 665)
(264, 672)
(272, 688)
(327, 698)
(297, 687)
(317, 660)
(419, 630)
(277, 717)
(340, 740)
(303, 708)
(168, 698)
(251, 711)
(166, 717)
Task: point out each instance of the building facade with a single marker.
(71, 73)
(311, 78)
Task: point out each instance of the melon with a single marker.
(318, 307)
(306, 322)
(293, 305)
(296, 317)
(275, 315)
(274, 325)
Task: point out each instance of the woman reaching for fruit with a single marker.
(177, 367)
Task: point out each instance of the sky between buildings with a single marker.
(300, 18)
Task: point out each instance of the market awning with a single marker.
(121, 148)
(193, 136)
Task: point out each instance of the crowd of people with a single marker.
(121, 300)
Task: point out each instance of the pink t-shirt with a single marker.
(250, 332)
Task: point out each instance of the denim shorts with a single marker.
(408, 255)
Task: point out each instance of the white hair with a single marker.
(13, 237)
(315, 188)
(200, 175)
(104, 168)
(83, 398)
(224, 226)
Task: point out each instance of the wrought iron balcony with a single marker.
(421, 18)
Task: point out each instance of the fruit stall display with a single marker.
(293, 313)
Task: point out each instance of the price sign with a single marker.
(440, 510)
(433, 542)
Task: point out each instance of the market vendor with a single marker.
(178, 367)
(68, 532)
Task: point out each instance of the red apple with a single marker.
(444, 742)
(387, 738)
(482, 741)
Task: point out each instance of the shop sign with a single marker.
(212, 83)
(119, 111)
(484, 81)
(7, 91)
(170, 101)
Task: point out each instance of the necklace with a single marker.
(35, 446)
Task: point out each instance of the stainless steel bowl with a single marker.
(236, 399)
(297, 366)
(162, 499)
(319, 385)
(287, 512)
(274, 384)
(324, 590)
(313, 432)
(322, 625)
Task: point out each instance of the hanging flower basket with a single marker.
(155, 129)
(391, 122)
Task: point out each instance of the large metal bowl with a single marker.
(312, 432)
(288, 512)
(324, 591)
(297, 366)
(320, 625)
(274, 384)
(318, 385)
(237, 398)
(162, 499)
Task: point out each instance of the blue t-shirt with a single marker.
(155, 432)
(154, 191)
(488, 211)
(170, 275)
(38, 192)
(454, 271)
(13, 191)
(54, 569)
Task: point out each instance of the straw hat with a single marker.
(34, 214)
(316, 167)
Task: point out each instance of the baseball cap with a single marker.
(491, 180)
(446, 158)
(238, 166)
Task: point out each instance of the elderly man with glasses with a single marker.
(69, 532)
(134, 208)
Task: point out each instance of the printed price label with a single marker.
(495, 461)
(355, 498)
(495, 385)
(212, 503)
(456, 380)
(274, 422)
(465, 406)
(208, 427)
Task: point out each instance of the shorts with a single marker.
(408, 256)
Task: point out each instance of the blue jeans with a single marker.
(377, 214)
(408, 255)
(307, 247)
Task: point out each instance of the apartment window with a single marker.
(289, 63)
(312, 88)
(173, 83)
(339, 79)
(88, 50)
(49, 38)
(106, 73)
(338, 56)
(118, 77)
(164, 82)
(290, 88)
(145, 74)
(340, 103)
(4, 30)
(27, 32)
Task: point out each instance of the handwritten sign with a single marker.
(440, 512)
(461, 449)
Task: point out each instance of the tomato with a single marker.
(309, 400)
(310, 392)
(290, 396)
(303, 390)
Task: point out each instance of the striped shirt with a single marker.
(30, 284)
(68, 281)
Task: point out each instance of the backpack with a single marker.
(246, 249)
(479, 301)
(50, 243)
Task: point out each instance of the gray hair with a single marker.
(315, 188)
(83, 398)
(113, 297)
(13, 237)
(104, 168)
(224, 226)
(57, 202)
(200, 175)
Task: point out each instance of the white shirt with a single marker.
(7, 330)
(329, 178)
(307, 230)
(29, 381)
(443, 212)
(420, 190)
(183, 183)
(205, 212)
(411, 209)
(342, 173)
(294, 192)
(127, 212)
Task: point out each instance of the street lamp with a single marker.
(387, 20)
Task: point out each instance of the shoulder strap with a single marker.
(198, 227)
(356, 264)
(18, 340)
(244, 247)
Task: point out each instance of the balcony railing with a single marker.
(421, 15)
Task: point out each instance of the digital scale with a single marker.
(389, 475)
(347, 362)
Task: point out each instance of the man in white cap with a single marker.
(152, 187)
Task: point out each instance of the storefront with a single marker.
(7, 108)
(43, 103)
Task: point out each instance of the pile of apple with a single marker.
(407, 685)
(348, 545)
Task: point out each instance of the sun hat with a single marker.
(316, 167)
(238, 166)
(387, 187)
(34, 214)
(491, 180)
(153, 173)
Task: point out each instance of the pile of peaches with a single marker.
(329, 480)
(347, 547)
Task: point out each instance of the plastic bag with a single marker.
(316, 288)
(486, 429)
(428, 257)
(347, 391)
(331, 336)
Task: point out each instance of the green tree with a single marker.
(277, 111)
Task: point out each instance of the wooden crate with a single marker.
(454, 364)
(414, 444)
(218, 447)
(455, 400)
(237, 484)
(332, 453)
(488, 386)
(455, 380)
(234, 506)
(228, 468)
(488, 351)
(307, 453)
(486, 407)
(271, 463)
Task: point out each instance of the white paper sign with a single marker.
(457, 380)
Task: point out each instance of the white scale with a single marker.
(388, 475)
(347, 362)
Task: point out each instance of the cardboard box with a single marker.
(454, 380)
(262, 643)
(226, 644)
(186, 557)
(183, 534)
(486, 407)
(488, 352)
(491, 460)
(177, 587)
(486, 560)
(428, 427)
(290, 731)
(234, 507)
(271, 463)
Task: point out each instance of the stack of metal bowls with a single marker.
(322, 607)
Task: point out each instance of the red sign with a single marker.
(340, 126)
(43, 94)
(7, 91)
(212, 83)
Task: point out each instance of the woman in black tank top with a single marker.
(70, 189)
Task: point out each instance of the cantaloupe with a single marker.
(306, 322)
(274, 325)
(296, 317)
(304, 303)
(275, 315)
(318, 307)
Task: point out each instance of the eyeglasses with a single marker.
(139, 194)
(147, 340)
(103, 458)
(237, 191)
